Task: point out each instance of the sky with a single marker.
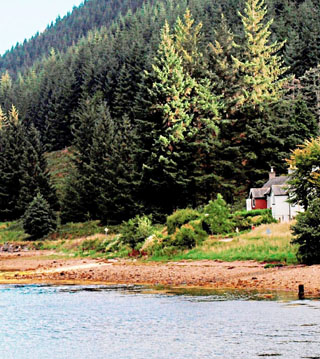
(21, 19)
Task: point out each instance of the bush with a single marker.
(254, 213)
(181, 217)
(136, 230)
(245, 219)
(217, 219)
(185, 237)
(96, 245)
(39, 219)
(307, 234)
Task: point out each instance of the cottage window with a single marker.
(253, 203)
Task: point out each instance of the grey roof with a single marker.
(259, 192)
(276, 181)
(279, 190)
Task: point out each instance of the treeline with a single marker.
(65, 32)
(295, 20)
(170, 121)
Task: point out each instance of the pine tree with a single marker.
(260, 68)
(39, 219)
(310, 89)
(249, 136)
(6, 91)
(80, 199)
(23, 168)
(222, 71)
(11, 151)
(35, 177)
(117, 170)
(183, 116)
(187, 38)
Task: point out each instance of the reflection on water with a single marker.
(136, 322)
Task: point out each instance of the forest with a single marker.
(160, 105)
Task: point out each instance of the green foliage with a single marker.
(182, 117)
(39, 219)
(60, 169)
(253, 213)
(93, 245)
(12, 232)
(136, 230)
(185, 237)
(145, 111)
(181, 217)
(305, 177)
(307, 234)
(246, 219)
(217, 219)
(77, 230)
(23, 168)
(260, 67)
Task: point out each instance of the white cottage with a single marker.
(274, 195)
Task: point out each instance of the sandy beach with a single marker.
(41, 267)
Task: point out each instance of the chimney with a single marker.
(272, 174)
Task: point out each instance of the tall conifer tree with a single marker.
(260, 68)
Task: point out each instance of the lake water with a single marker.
(60, 322)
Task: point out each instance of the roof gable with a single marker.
(259, 192)
(279, 190)
(277, 181)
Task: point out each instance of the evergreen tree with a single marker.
(6, 91)
(249, 137)
(117, 170)
(260, 68)
(307, 234)
(79, 203)
(39, 218)
(184, 115)
(11, 151)
(22, 168)
(35, 177)
(305, 177)
(310, 89)
(222, 71)
(105, 182)
(187, 38)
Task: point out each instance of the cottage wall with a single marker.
(260, 204)
(280, 208)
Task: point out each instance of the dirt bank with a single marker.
(41, 267)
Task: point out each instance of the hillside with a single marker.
(166, 103)
(66, 31)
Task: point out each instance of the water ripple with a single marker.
(124, 322)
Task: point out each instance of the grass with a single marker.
(267, 243)
(76, 230)
(12, 232)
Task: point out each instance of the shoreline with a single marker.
(48, 267)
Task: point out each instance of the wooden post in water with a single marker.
(301, 291)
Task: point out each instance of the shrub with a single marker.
(217, 217)
(181, 217)
(254, 213)
(201, 234)
(96, 245)
(307, 234)
(185, 237)
(135, 231)
(39, 219)
(245, 219)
